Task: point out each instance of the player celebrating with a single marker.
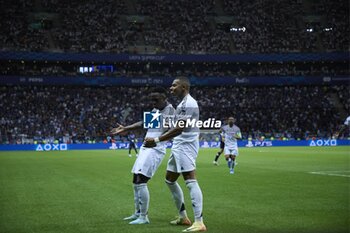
(222, 146)
(149, 159)
(183, 156)
(132, 145)
(343, 127)
(231, 134)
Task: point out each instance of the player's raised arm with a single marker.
(341, 130)
(343, 127)
(122, 129)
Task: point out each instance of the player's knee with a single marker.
(141, 179)
(191, 175)
(172, 177)
(168, 182)
(134, 178)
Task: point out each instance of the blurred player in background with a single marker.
(222, 146)
(149, 159)
(183, 156)
(231, 134)
(345, 126)
(132, 145)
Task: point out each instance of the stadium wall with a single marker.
(203, 144)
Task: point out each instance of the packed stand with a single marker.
(182, 27)
(337, 17)
(79, 114)
(344, 96)
(16, 32)
(90, 26)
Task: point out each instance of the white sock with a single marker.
(143, 198)
(178, 197)
(196, 198)
(136, 199)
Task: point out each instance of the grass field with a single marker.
(272, 191)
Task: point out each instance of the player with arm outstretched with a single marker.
(149, 159)
(231, 133)
(345, 126)
(183, 156)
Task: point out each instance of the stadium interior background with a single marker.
(69, 70)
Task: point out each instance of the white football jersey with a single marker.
(230, 133)
(187, 109)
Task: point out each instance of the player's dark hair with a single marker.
(184, 81)
(160, 90)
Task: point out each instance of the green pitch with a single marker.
(274, 190)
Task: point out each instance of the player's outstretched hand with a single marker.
(336, 135)
(149, 142)
(118, 130)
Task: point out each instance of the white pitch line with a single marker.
(330, 173)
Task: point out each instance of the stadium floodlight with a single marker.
(309, 29)
(327, 29)
(240, 29)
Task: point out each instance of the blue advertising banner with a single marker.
(203, 144)
(111, 57)
(166, 81)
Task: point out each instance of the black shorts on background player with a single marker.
(222, 145)
(132, 145)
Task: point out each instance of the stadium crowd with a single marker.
(175, 26)
(15, 30)
(79, 114)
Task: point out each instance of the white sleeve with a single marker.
(347, 121)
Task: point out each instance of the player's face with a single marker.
(157, 100)
(231, 121)
(176, 88)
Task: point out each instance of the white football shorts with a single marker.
(231, 150)
(183, 157)
(148, 161)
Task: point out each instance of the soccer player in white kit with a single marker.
(343, 127)
(149, 159)
(231, 134)
(183, 156)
